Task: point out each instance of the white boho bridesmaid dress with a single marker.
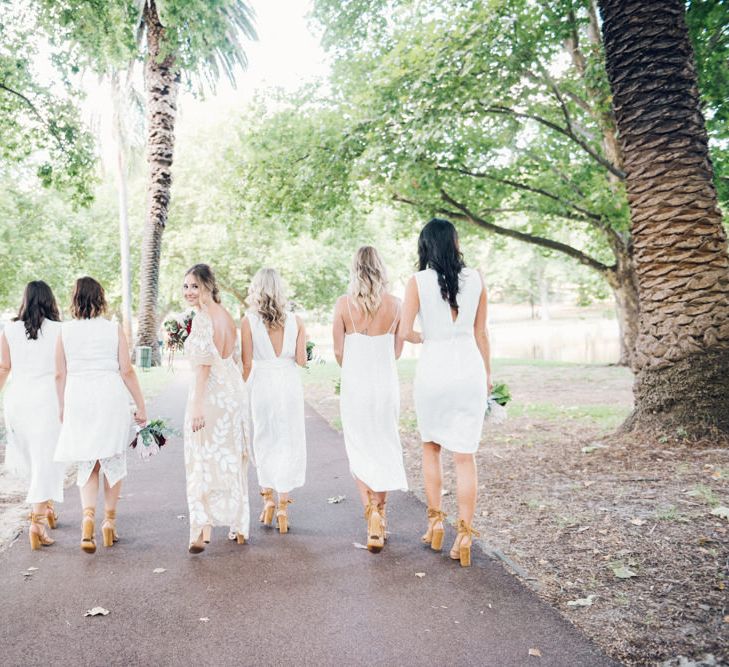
(31, 411)
(97, 415)
(216, 457)
(277, 408)
(369, 404)
(450, 387)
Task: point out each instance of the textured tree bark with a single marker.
(679, 243)
(161, 81)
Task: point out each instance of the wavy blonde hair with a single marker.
(267, 297)
(368, 280)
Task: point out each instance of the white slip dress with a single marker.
(97, 415)
(369, 404)
(450, 386)
(31, 411)
(277, 409)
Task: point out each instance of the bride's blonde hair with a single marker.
(266, 296)
(368, 280)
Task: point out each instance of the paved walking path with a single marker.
(306, 598)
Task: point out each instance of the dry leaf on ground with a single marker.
(97, 611)
(622, 571)
(535, 652)
(204, 619)
(582, 602)
(357, 545)
(159, 570)
(336, 499)
(420, 574)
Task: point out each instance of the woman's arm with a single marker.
(60, 375)
(130, 379)
(410, 308)
(4, 360)
(202, 374)
(338, 330)
(481, 333)
(246, 348)
(300, 342)
(398, 338)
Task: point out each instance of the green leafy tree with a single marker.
(194, 40)
(40, 127)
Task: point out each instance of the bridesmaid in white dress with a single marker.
(94, 378)
(452, 380)
(272, 343)
(27, 349)
(366, 347)
(216, 442)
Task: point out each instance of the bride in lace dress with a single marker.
(215, 431)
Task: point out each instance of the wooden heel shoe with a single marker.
(269, 508)
(461, 550)
(37, 532)
(108, 528)
(282, 517)
(88, 543)
(51, 515)
(434, 535)
(375, 528)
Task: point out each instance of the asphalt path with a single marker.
(309, 597)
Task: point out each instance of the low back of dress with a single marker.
(435, 312)
(263, 346)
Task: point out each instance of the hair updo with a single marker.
(204, 274)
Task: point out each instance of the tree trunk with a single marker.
(679, 243)
(623, 281)
(121, 176)
(161, 82)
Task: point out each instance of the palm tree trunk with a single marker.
(121, 177)
(679, 243)
(161, 82)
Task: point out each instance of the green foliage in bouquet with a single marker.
(500, 393)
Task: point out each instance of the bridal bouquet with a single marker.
(178, 329)
(496, 407)
(150, 438)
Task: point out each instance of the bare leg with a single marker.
(363, 491)
(90, 490)
(432, 474)
(282, 497)
(40, 508)
(466, 486)
(111, 494)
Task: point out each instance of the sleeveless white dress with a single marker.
(369, 404)
(450, 387)
(97, 415)
(216, 457)
(277, 408)
(31, 411)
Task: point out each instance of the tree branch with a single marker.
(37, 114)
(463, 213)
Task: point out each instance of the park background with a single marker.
(350, 123)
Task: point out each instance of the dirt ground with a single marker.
(618, 535)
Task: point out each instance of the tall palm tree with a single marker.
(201, 36)
(680, 246)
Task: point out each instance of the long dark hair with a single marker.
(38, 304)
(438, 250)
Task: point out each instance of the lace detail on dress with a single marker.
(113, 467)
(199, 346)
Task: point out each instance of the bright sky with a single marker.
(285, 56)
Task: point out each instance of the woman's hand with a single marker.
(140, 416)
(198, 418)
